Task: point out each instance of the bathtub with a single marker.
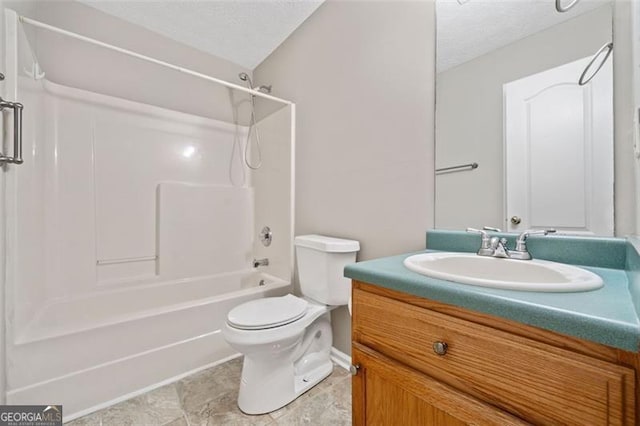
(145, 336)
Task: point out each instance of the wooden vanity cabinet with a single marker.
(426, 363)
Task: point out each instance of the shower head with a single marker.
(245, 77)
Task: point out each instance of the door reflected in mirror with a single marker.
(508, 99)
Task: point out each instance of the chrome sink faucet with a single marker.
(497, 247)
(491, 246)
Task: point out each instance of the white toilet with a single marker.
(286, 340)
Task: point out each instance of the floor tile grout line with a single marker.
(185, 416)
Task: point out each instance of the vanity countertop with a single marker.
(607, 315)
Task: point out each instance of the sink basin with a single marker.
(524, 275)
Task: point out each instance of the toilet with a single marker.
(286, 341)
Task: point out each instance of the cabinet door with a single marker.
(539, 382)
(386, 392)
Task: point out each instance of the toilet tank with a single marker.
(321, 261)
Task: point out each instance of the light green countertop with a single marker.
(607, 315)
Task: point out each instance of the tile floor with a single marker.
(209, 398)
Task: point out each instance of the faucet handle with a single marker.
(521, 241)
(523, 236)
(491, 228)
(482, 232)
(485, 246)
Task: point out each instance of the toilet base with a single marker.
(276, 398)
(304, 382)
(271, 380)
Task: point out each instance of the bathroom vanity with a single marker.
(427, 351)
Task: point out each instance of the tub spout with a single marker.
(260, 262)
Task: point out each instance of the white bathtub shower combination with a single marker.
(131, 231)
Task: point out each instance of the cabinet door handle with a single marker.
(353, 369)
(440, 348)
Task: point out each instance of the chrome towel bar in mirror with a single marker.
(470, 166)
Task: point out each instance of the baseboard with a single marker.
(340, 358)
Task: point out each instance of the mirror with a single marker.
(520, 144)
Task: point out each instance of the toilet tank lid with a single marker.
(327, 244)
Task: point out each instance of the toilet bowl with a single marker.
(281, 362)
(286, 341)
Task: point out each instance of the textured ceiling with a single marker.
(244, 32)
(476, 27)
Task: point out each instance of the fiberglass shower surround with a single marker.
(130, 239)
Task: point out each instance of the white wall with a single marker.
(362, 75)
(469, 115)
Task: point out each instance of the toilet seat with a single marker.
(269, 312)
